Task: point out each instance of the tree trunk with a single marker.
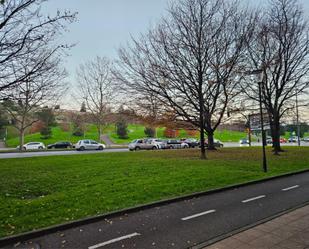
(275, 134)
(211, 145)
(21, 139)
(202, 143)
(99, 132)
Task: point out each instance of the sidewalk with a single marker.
(289, 231)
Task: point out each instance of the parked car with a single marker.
(306, 139)
(217, 143)
(144, 144)
(88, 144)
(33, 146)
(160, 143)
(269, 140)
(60, 145)
(176, 144)
(244, 142)
(192, 142)
(293, 139)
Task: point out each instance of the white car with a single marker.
(88, 144)
(244, 142)
(159, 143)
(33, 146)
(144, 144)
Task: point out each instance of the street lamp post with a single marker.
(260, 81)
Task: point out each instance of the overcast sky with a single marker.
(103, 25)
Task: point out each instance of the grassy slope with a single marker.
(135, 131)
(58, 135)
(38, 192)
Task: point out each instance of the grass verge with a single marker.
(39, 192)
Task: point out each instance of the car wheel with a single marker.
(82, 148)
(101, 148)
(171, 147)
(24, 148)
(154, 148)
(40, 148)
(137, 148)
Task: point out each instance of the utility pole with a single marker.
(262, 126)
(249, 130)
(297, 119)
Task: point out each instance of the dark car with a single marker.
(192, 142)
(217, 143)
(60, 145)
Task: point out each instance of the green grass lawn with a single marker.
(230, 136)
(39, 192)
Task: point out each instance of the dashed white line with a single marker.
(129, 236)
(198, 215)
(289, 188)
(253, 199)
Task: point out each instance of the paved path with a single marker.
(107, 140)
(289, 231)
(2, 145)
(186, 223)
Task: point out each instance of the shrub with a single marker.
(65, 127)
(37, 127)
(122, 129)
(150, 132)
(191, 133)
(46, 132)
(169, 133)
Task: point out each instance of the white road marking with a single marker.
(129, 236)
(289, 188)
(254, 198)
(198, 215)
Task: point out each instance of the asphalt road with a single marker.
(73, 152)
(186, 223)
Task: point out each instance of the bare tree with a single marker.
(34, 92)
(97, 90)
(23, 32)
(281, 50)
(189, 61)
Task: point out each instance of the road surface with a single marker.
(73, 152)
(187, 223)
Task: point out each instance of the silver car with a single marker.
(143, 144)
(88, 144)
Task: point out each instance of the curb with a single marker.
(52, 229)
(242, 229)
